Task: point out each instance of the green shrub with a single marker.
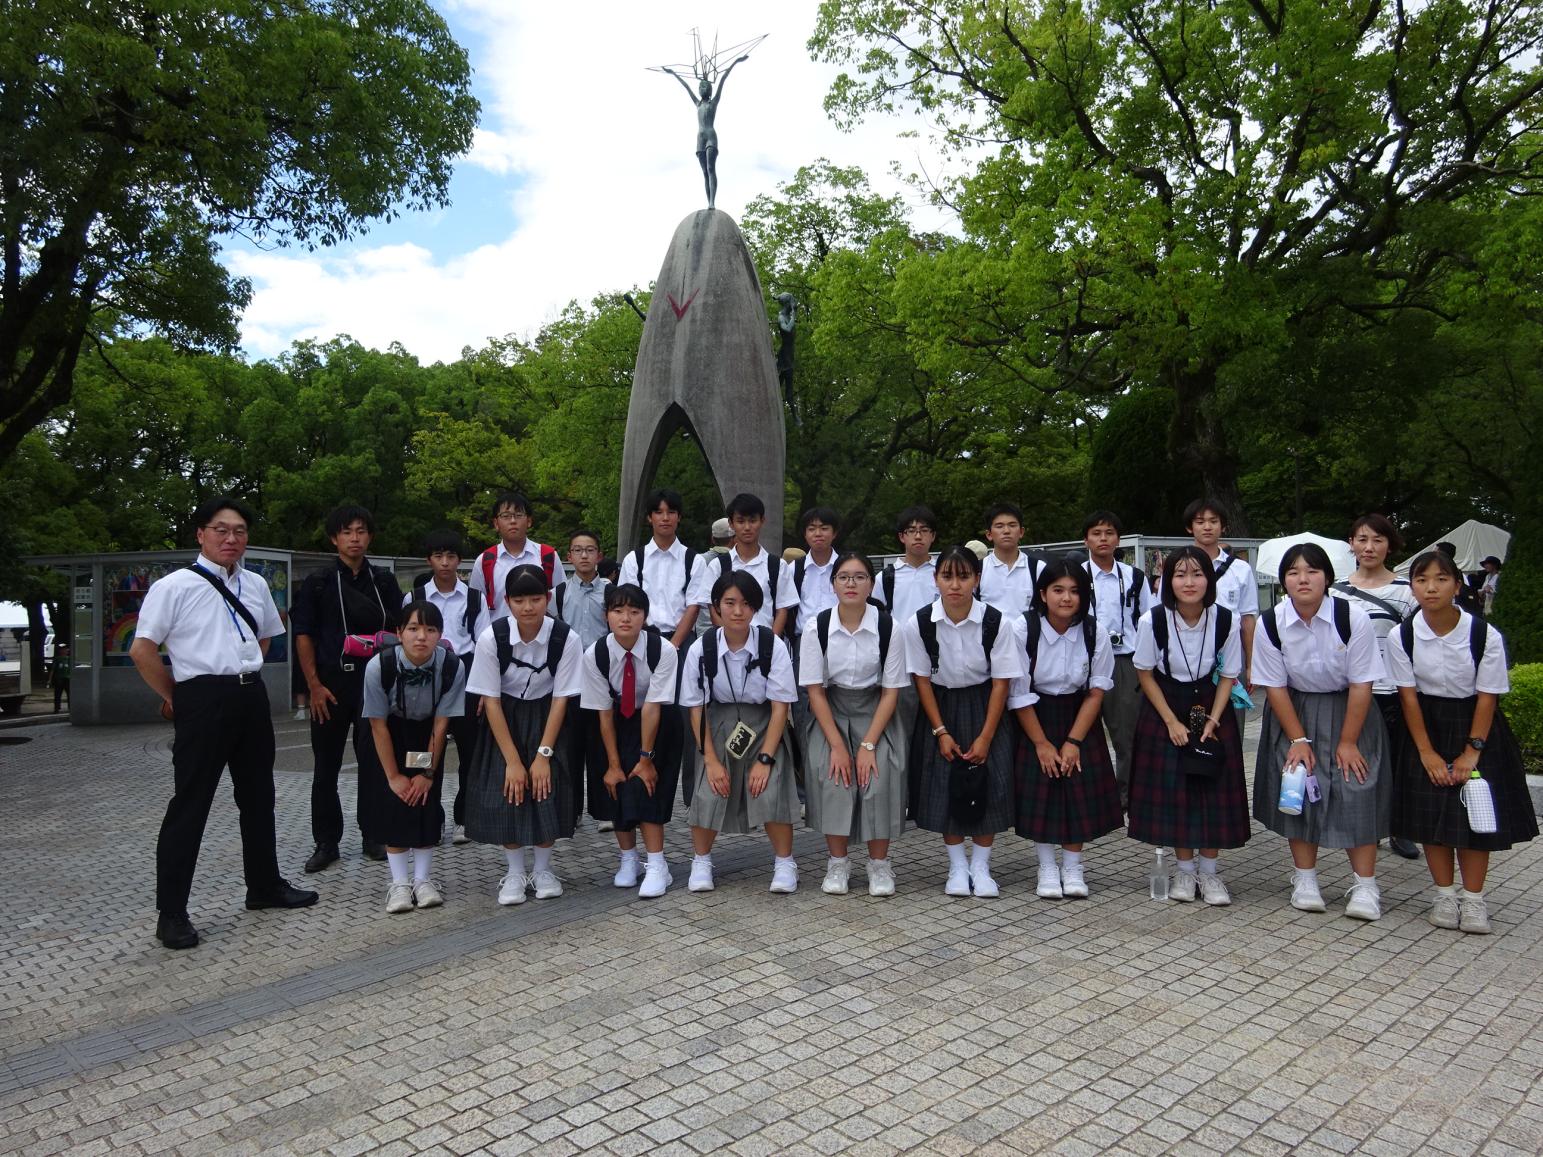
(1519, 603)
(1524, 706)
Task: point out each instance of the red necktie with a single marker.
(629, 687)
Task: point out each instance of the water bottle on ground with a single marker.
(1479, 802)
(1160, 874)
(1293, 788)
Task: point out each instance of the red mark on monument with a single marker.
(679, 307)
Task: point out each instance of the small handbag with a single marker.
(967, 792)
(1204, 760)
(366, 646)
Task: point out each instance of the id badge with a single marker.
(1311, 786)
(420, 760)
(250, 654)
(741, 739)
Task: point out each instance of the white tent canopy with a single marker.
(1475, 541)
(1269, 553)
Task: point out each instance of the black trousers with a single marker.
(328, 742)
(463, 732)
(218, 723)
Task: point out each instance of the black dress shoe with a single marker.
(1406, 848)
(176, 931)
(281, 895)
(323, 855)
(376, 852)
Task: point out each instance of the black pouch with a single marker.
(1202, 760)
(967, 784)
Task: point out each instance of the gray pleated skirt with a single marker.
(740, 813)
(490, 819)
(875, 812)
(1347, 814)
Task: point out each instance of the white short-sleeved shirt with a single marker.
(817, 593)
(1119, 601)
(664, 580)
(1311, 656)
(787, 593)
(1189, 645)
(656, 686)
(1062, 665)
(961, 657)
(1238, 589)
(915, 587)
(1400, 600)
(453, 607)
(1010, 589)
(504, 562)
(202, 633)
(411, 698)
(739, 679)
(527, 677)
(852, 659)
(1443, 664)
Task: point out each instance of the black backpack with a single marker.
(468, 616)
(555, 644)
(1478, 638)
(990, 624)
(1032, 624)
(653, 642)
(707, 662)
(1341, 622)
(887, 584)
(1160, 633)
(886, 629)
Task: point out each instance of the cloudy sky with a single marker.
(582, 167)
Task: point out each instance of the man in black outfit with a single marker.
(215, 619)
(351, 597)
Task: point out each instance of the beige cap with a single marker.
(978, 547)
(722, 530)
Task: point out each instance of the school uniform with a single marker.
(221, 718)
(1318, 667)
(1009, 587)
(1236, 587)
(667, 575)
(581, 605)
(1386, 607)
(526, 689)
(418, 695)
(815, 590)
(465, 618)
(1448, 684)
(504, 561)
(1085, 805)
(962, 685)
(1120, 597)
(740, 692)
(330, 605)
(609, 691)
(905, 589)
(1168, 805)
(854, 678)
(760, 568)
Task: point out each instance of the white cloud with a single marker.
(599, 159)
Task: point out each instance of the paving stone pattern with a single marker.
(735, 1021)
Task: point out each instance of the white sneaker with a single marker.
(606, 826)
(785, 878)
(881, 879)
(627, 875)
(837, 874)
(1363, 902)
(302, 714)
(1049, 887)
(512, 889)
(426, 895)
(460, 837)
(958, 882)
(399, 898)
(701, 875)
(656, 881)
(1073, 886)
(982, 884)
(1182, 887)
(547, 885)
(1475, 915)
(1443, 911)
(1305, 896)
(1213, 891)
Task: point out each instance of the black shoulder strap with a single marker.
(555, 644)
(1226, 566)
(637, 558)
(1478, 637)
(561, 591)
(822, 629)
(990, 624)
(602, 650)
(225, 593)
(707, 669)
(1342, 620)
(1272, 628)
(725, 563)
(1031, 630)
(1406, 636)
(685, 586)
(886, 630)
(887, 581)
(388, 671)
(655, 646)
(798, 575)
(928, 630)
(763, 658)
(1089, 639)
(1223, 629)
(1381, 604)
(469, 616)
(1160, 636)
(773, 569)
(503, 643)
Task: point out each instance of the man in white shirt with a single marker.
(1120, 597)
(910, 582)
(512, 520)
(215, 619)
(1236, 587)
(1007, 574)
(666, 569)
(747, 514)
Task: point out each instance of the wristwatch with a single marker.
(866, 746)
(645, 755)
(545, 752)
(1475, 743)
(762, 757)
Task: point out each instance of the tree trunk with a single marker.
(1197, 441)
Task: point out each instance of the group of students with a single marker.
(890, 692)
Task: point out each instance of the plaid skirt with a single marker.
(1170, 808)
(492, 820)
(875, 812)
(383, 817)
(1066, 809)
(1428, 814)
(1349, 813)
(627, 813)
(963, 710)
(741, 812)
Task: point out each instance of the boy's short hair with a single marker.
(1198, 507)
(670, 498)
(209, 507)
(1000, 508)
(514, 500)
(607, 568)
(819, 514)
(747, 506)
(342, 517)
(1101, 517)
(442, 542)
(921, 514)
(583, 532)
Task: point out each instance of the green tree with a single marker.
(134, 136)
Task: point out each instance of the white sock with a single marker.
(1071, 859)
(398, 862)
(980, 859)
(956, 858)
(784, 862)
(543, 860)
(842, 860)
(873, 863)
(629, 854)
(423, 864)
(516, 858)
(1309, 875)
(1187, 867)
(1446, 890)
(1368, 880)
(1207, 865)
(656, 860)
(1046, 856)
(1467, 895)
(707, 859)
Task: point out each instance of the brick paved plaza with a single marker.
(734, 1021)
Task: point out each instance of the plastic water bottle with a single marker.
(1480, 805)
(1293, 788)
(1160, 874)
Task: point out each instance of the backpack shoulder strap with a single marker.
(1089, 638)
(1137, 581)
(555, 644)
(928, 630)
(708, 669)
(887, 582)
(1406, 636)
(1272, 628)
(773, 571)
(763, 658)
(489, 562)
(990, 624)
(388, 670)
(548, 563)
(558, 598)
(1226, 566)
(469, 615)
(655, 645)
(1478, 638)
(886, 631)
(637, 559)
(1031, 630)
(725, 563)
(822, 629)
(1342, 619)
(602, 653)
(1223, 629)
(691, 557)
(504, 644)
(798, 575)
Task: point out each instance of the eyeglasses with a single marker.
(915, 530)
(583, 550)
(852, 580)
(220, 530)
(510, 515)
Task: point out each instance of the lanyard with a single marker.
(1205, 624)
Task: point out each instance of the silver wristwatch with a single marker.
(866, 746)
